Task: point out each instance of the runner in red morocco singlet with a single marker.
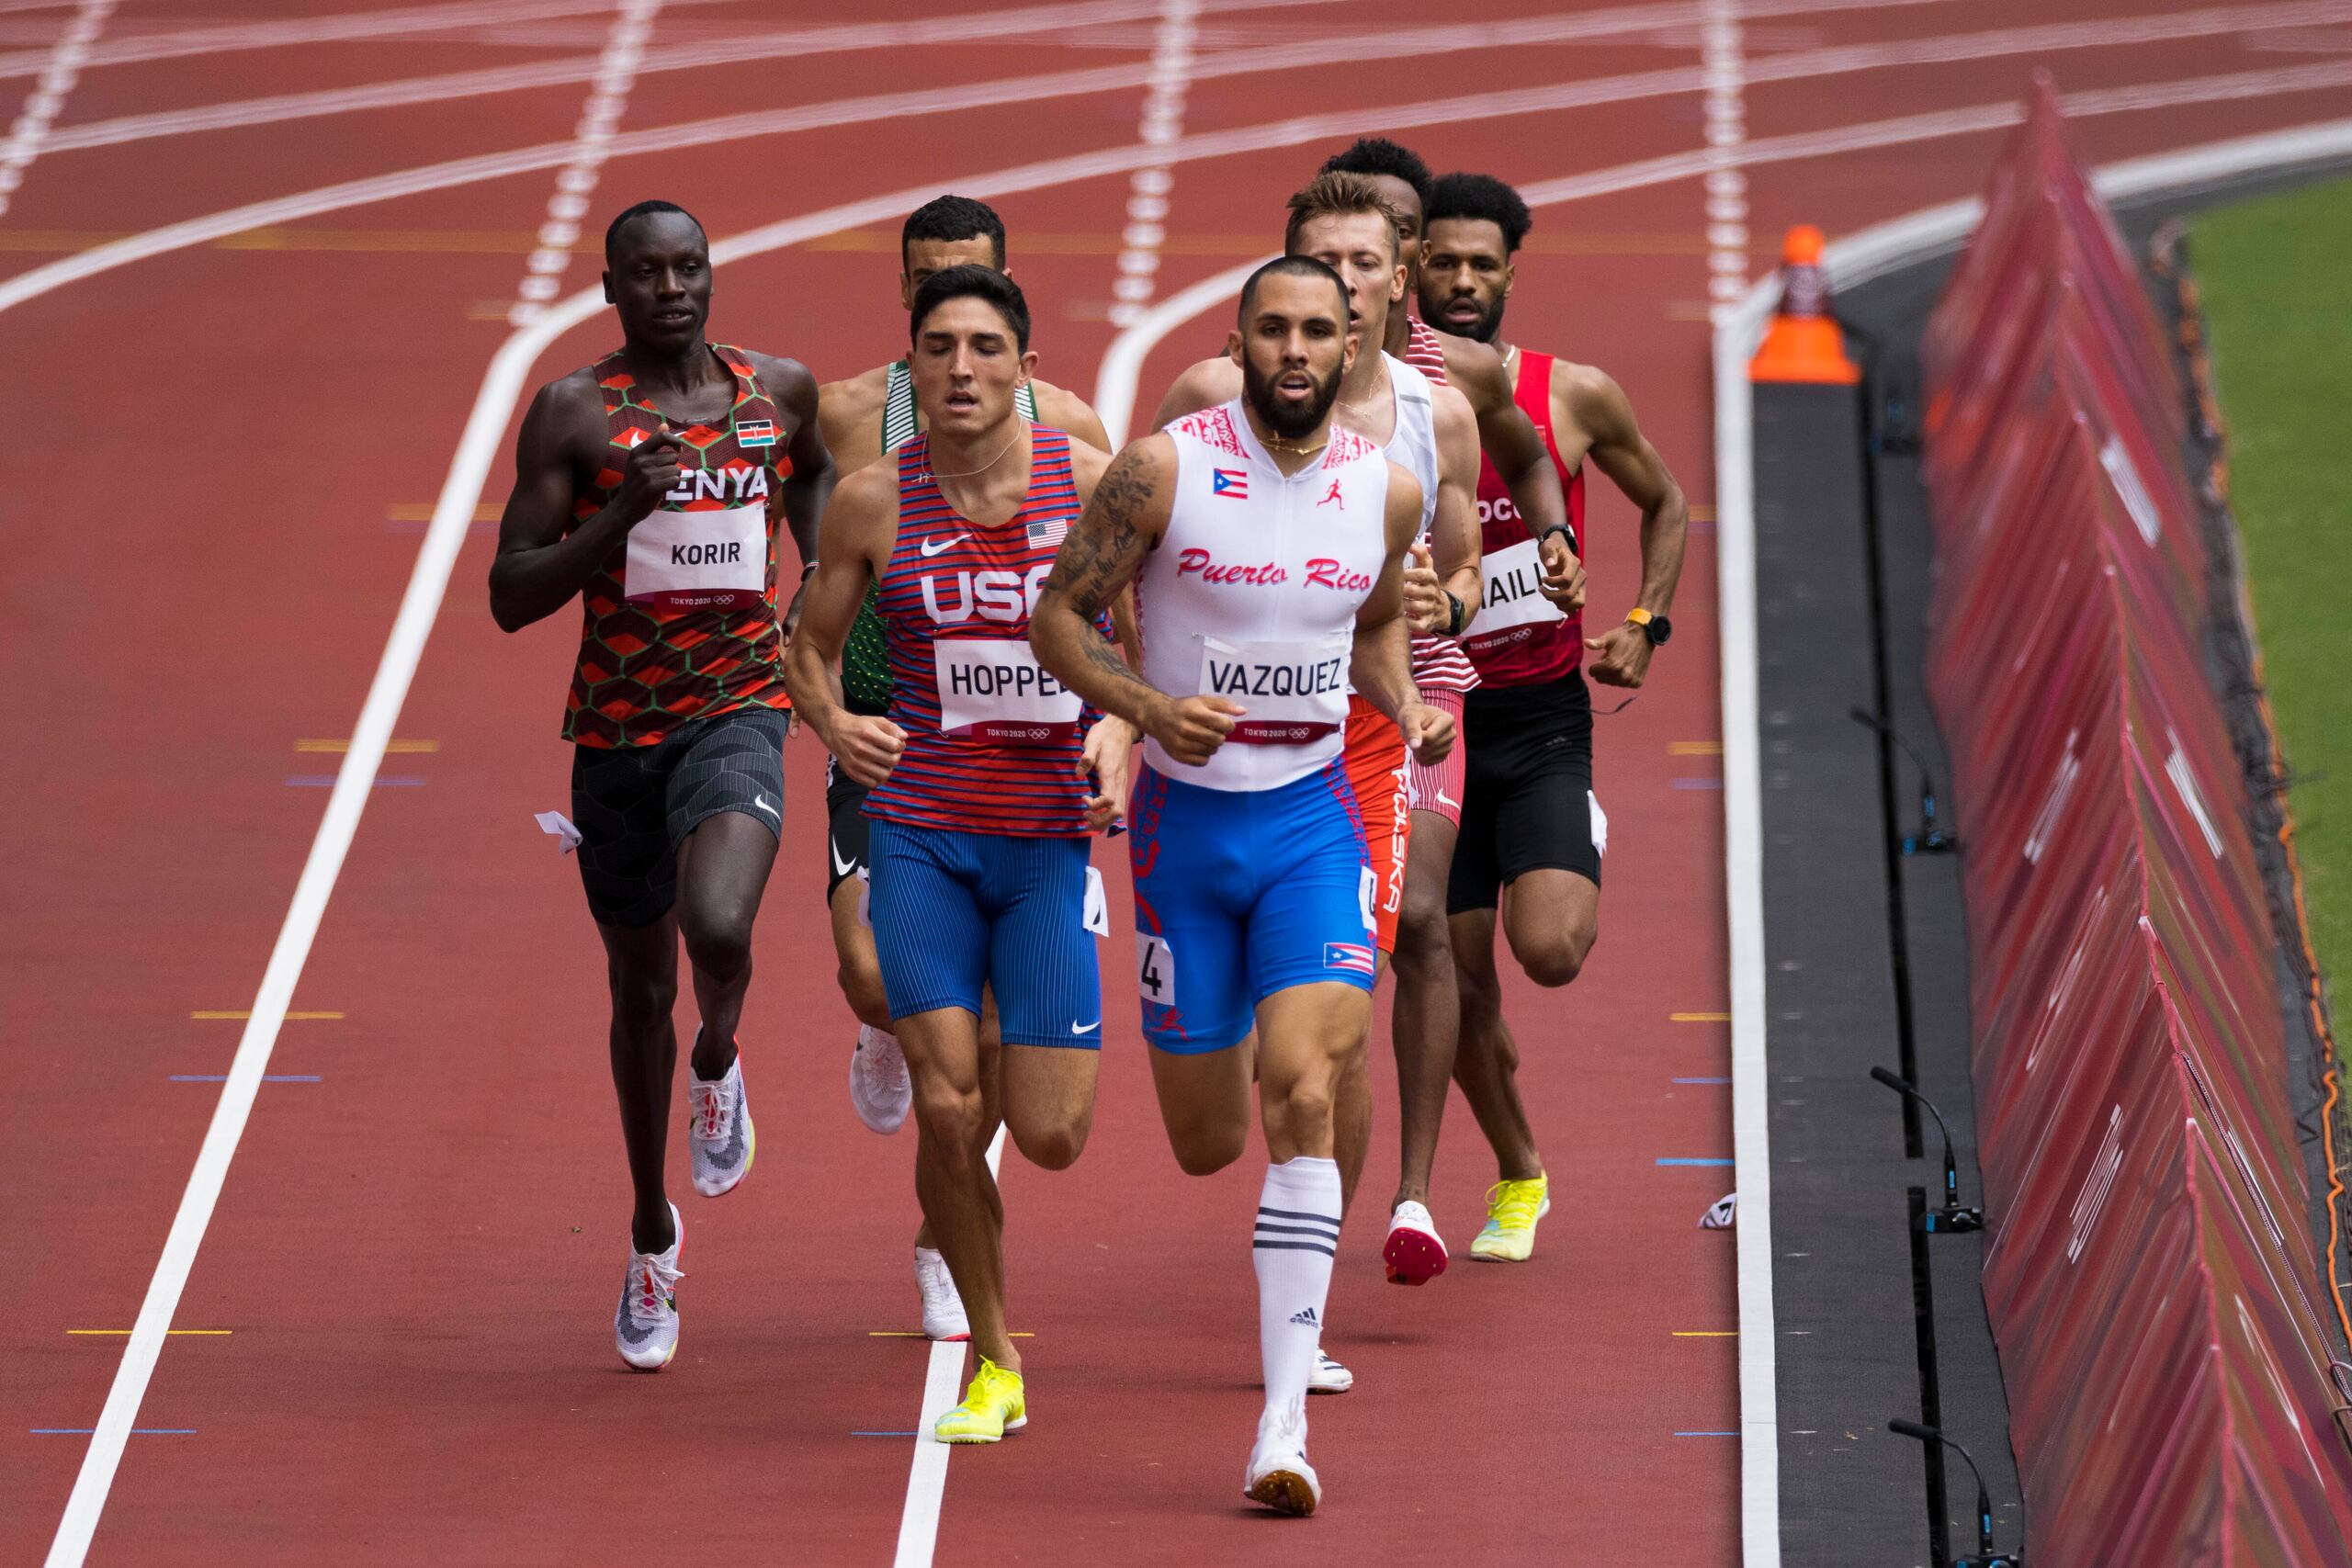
(1268, 547)
(979, 809)
(649, 485)
(1532, 832)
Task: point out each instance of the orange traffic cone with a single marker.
(1804, 342)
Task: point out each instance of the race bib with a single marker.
(1155, 970)
(715, 559)
(1294, 692)
(1095, 913)
(994, 688)
(1514, 599)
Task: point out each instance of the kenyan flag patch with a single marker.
(756, 432)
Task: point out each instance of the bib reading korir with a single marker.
(680, 621)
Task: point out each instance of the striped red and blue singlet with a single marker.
(998, 756)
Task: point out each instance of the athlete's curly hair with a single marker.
(1378, 155)
(952, 218)
(1482, 196)
(630, 215)
(1338, 194)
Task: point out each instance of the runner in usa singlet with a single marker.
(992, 740)
(1520, 637)
(680, 623)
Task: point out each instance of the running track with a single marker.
(399, 1307)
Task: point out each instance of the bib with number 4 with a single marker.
(1155, 970)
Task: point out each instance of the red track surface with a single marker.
(414, 1252)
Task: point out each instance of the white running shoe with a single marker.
(1329, 1376)
(645, 1329)
(942, 1309)
(1414, 1254)
(879, 1088)
(719, 1129)
(1279, 1475)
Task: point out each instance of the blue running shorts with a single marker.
(955, 911)
(1243, 892)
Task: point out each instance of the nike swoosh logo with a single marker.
(761, 801)
(933, 547)
(1086, 1028)
(841, 867)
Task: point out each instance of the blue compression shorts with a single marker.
(954, 911)
(1243, 892)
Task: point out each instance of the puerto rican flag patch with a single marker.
(756, 432)
(1233, 483)
(1348, 957)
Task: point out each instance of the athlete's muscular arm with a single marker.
(802, 495)
(1598, 408)
(1381, 665)
(1202, 385)
(1511, 439)
(853, 544)
(538, 566)
(1103, 758)
(1123, 521)
(1450, 562)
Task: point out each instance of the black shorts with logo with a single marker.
(635, 804)
(845, 829)
(1527, 801)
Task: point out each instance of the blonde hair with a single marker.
(1335, 193)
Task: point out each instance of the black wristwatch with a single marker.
(1556, 528)
(1460, 613)
(1657, 628)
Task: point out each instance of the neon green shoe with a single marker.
(992, 1407)
(1512, 1209)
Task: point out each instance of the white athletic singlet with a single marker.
(1253, 593)
(1439, 663)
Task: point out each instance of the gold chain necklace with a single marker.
(1020, 428)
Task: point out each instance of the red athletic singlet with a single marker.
(992, 739)
(679, 622)
(1424, 350)
(1518, 638)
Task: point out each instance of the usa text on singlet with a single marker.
(1253, 592)
(992, 739)
(680, 621)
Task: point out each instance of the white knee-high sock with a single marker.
(1298, 1236)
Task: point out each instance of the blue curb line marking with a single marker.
(1678, 1161)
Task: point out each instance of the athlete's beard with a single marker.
(1488, 325)
(1287, 425)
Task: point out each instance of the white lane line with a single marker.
(1147, 188)
(592, 140)
(1759, 1424)
(1526, 33)
(1723, 57)
(1855, 259)
(315, 29)
(59, 72)
(927, 1471)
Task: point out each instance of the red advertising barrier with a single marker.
(2152, 1283)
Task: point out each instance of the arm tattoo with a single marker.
(1101, 553)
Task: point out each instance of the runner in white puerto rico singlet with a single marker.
(1250, 869)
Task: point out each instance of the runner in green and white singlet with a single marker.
(864, 418)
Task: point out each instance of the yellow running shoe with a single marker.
(992, 1407)
(1512, 1209)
